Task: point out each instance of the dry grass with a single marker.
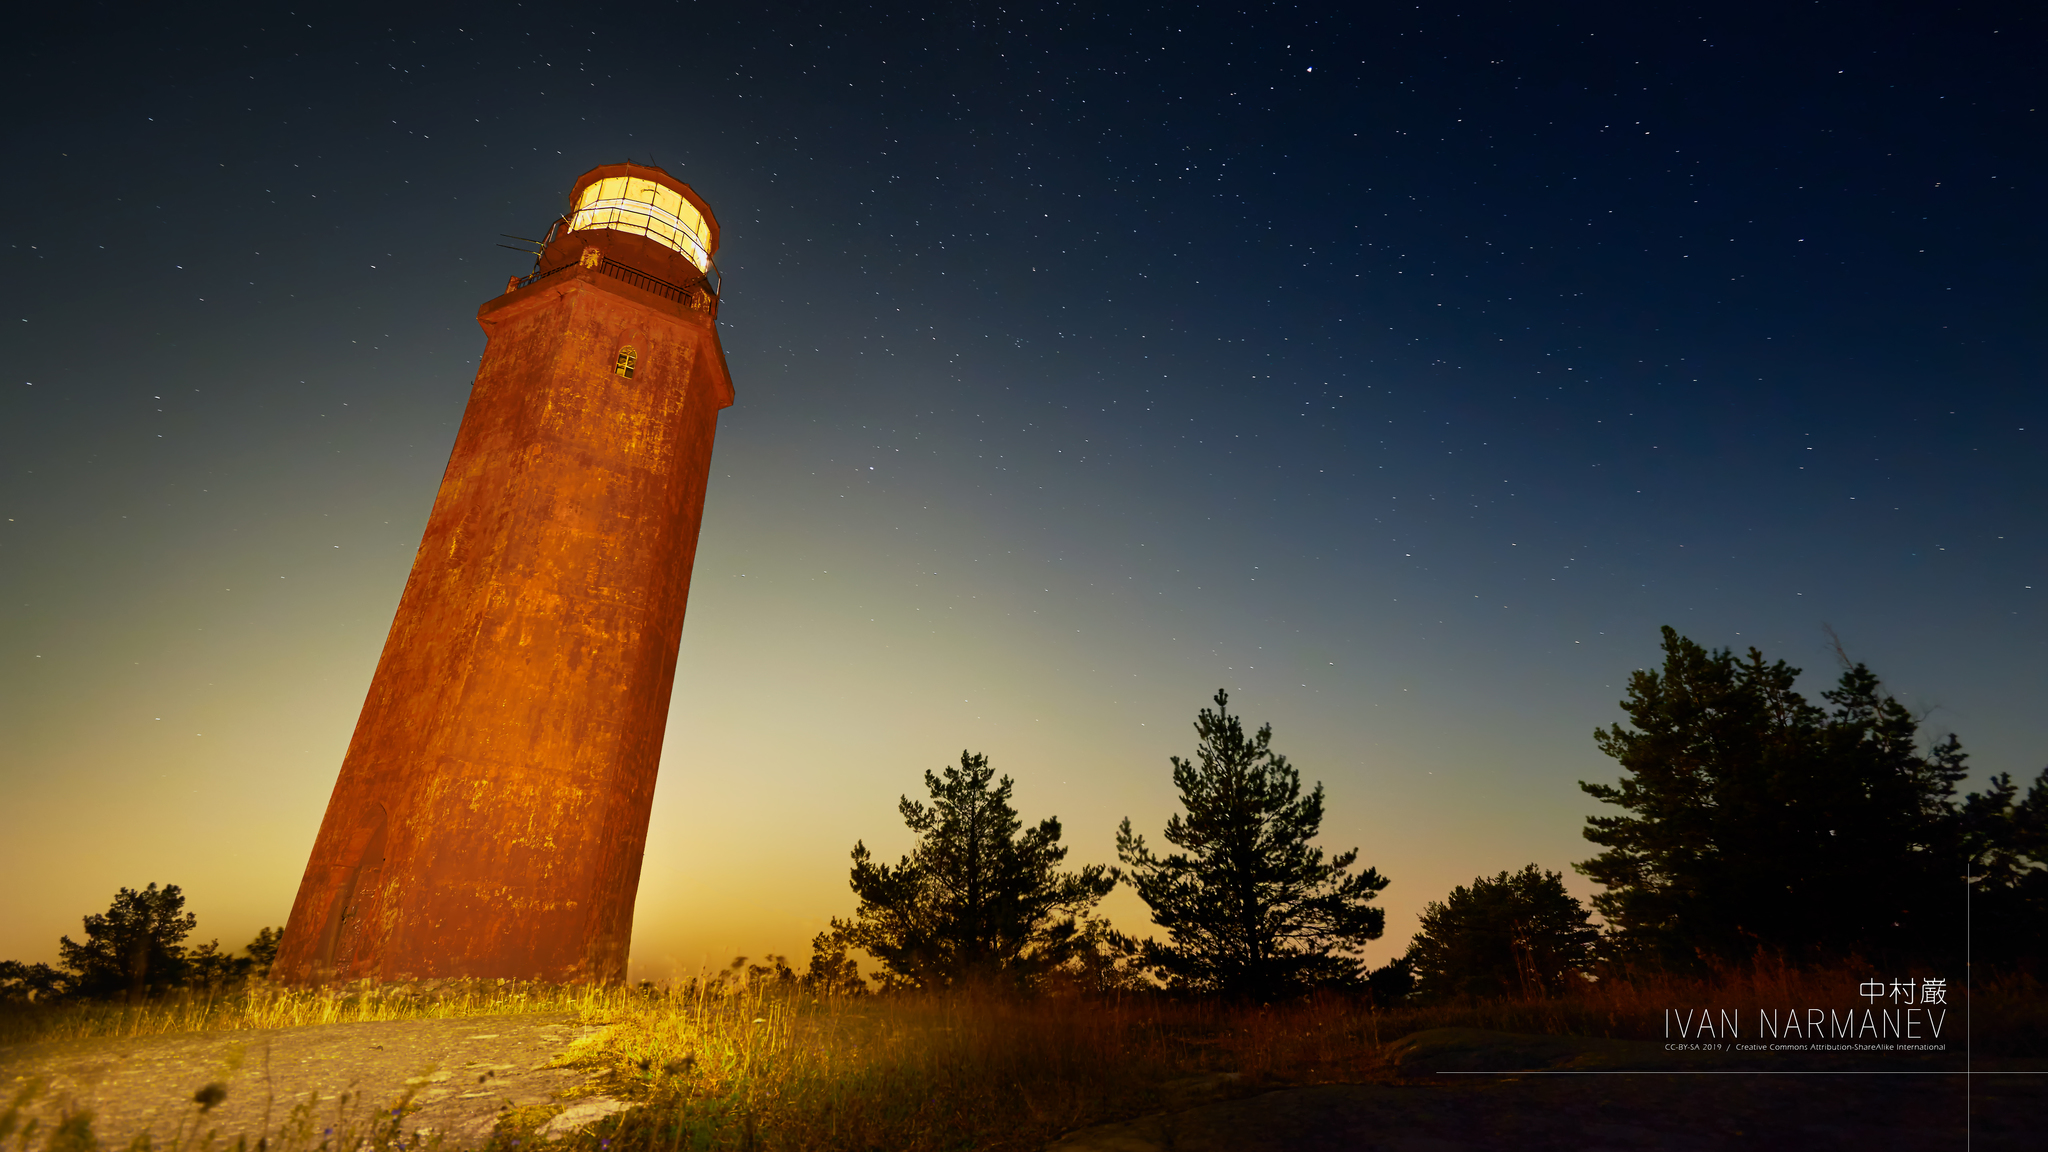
(768, 1067)
(739, 1065)
(262, 1005)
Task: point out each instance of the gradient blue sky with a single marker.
(1399, 369)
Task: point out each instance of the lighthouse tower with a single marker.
(492, 808)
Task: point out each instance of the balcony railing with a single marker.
(700, 294)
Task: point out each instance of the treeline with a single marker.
(1755, 818)
(1751, 821)
(1249, 905)
(134, 950)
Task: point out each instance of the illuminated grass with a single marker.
(261, 1005)
(770, 1067)
(731, 1064)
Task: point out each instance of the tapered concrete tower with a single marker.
(491, 811)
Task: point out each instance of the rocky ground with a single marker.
(1447, 1090)
(452, 1077)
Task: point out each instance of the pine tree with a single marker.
(1756, 819)
(263, 950)
(208, 966)
(31, 983)
(980, 900)
(2005, 840)
(1249, 906)
(1518, 934)
(135, 947)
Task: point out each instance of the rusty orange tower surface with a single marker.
(492, 809)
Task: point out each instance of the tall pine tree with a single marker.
(1756, 819)
(1249, 906)
(979, 900)
(135, 947)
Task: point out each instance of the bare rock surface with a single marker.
(581, 1114)
(451, 1077)
(1592, 1095)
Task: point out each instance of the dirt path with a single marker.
(457, 1076)
(1680, 1104)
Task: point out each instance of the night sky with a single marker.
(1400, 369)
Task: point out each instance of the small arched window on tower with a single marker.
(624, 364)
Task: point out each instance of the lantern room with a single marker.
(648, 202)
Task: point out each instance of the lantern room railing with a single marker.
(700, 294)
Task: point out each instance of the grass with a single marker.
(768, 1067)
(263, 1005)
(759, 1064)
(734, 1064)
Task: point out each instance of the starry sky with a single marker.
(1399, 368)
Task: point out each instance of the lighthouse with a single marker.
(492, 808)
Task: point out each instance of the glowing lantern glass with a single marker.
(643, 207)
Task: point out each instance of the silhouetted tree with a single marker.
(207, 965)
(135, 947)
(2005, 840)
(30, 983)
(1391, 984)
(1249, 906)
(1518, 934)
(980, 899)
(1104, 960)
(832, 971)
(263, 950)
(1756, 819)
(775, 971)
